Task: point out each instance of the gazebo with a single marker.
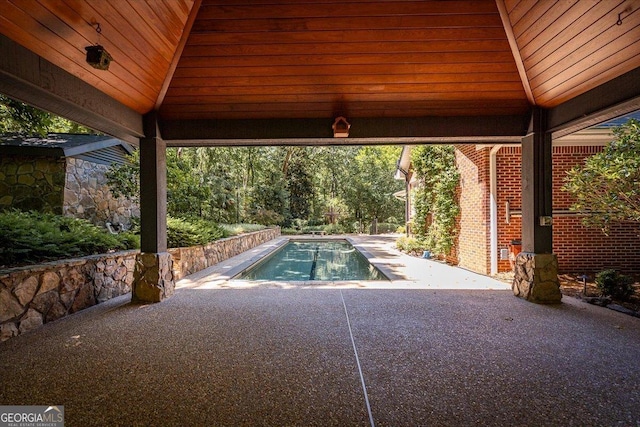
(205, 73)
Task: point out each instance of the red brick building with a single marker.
(490, 217)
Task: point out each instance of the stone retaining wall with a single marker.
(33, 295)
(195, 258)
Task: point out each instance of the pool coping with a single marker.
(231, 268)
(283, 240)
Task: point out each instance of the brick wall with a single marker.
(472, 250)
(579, 249)
(509, 189)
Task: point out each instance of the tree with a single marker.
(299, 185)
(372, 187)
(607, 187)
(18, 117)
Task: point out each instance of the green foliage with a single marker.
(31, 237)
(299, 182)
(235, 229)
(607, 187)
(275, 185)
(191, 232)
(411, 245)
(613, 284)
(124, 179)
(436, 200)
(18, 117)
(267, 217)
(334, 229)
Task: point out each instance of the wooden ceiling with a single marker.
(211, 60)
(356, 59)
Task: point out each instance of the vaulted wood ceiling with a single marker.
(208, 61)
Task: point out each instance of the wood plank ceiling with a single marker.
(141, 36)
(357, 59)
(262, 59)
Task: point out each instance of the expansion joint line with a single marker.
(355, 352)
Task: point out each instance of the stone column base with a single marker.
(536, 278)
(152, 278)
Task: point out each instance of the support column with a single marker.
(153, 275)
(536, 267)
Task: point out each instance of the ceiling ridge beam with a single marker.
(517, 57)
(178, 53)
(469, 128)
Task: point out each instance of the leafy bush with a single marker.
(411, 245)
(334, 229)
(613, 284)
(32, 237)
(308, 229)
(267, 217)
(235, 229)
(191, 232)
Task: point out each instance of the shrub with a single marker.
(235, 229)
(613, 284)
(267, 217)
(334, 229)
(32, 237)
(191, 232)
(411, 245)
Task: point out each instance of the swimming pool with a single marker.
(311, 260)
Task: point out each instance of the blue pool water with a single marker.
(325, 260)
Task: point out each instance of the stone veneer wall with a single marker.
(32, 183)
(87, 195)
(33, 295)
(195, 258)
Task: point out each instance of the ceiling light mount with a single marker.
(341, 128)
(97, 55)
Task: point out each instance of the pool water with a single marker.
(325, 260)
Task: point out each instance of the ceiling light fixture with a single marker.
(341, 128)
(97, 55)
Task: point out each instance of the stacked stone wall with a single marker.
(33, 295)
(87, 195)
(32, 183)
(195, 258)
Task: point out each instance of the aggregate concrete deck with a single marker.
(435, 347)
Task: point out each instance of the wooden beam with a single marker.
(306, 131)
(29, 78)
(178, 53)
(515, 50)
(613, 99)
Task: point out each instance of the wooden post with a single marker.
(536, 267)
(153, 275)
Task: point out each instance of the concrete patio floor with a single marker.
(436, 346)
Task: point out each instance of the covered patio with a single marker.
(445, 348)
(232, 73)
(207, 73)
